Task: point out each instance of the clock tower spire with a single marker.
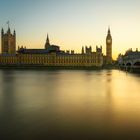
(109, 47)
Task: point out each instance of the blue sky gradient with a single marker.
(73, 23)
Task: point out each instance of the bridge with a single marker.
(130, 61)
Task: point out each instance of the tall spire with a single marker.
(109, 30)
(48, 41)
(47, 45)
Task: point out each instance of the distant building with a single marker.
(130, 61)
(129, 58)
(50, 55)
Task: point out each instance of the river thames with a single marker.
(69, 104)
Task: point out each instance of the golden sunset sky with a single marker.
(72, 24)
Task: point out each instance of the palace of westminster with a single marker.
(51, 55)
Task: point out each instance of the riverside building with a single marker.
(49, 56)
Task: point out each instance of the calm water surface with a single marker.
(68, 104)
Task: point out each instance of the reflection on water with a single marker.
(69, 104)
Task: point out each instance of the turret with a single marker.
(88, 50)
(99, 49)
(2, 32)
(14, 33)
(82, 50)
(8, 41)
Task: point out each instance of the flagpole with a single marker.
(8, 23)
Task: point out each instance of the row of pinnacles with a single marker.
(88, 50)
(8, 42)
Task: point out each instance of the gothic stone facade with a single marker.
(51, 55)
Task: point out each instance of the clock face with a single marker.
(109, 41)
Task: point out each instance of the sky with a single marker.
(72, 24)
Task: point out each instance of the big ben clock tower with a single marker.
(109, 47)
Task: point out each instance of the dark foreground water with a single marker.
(69, 105)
